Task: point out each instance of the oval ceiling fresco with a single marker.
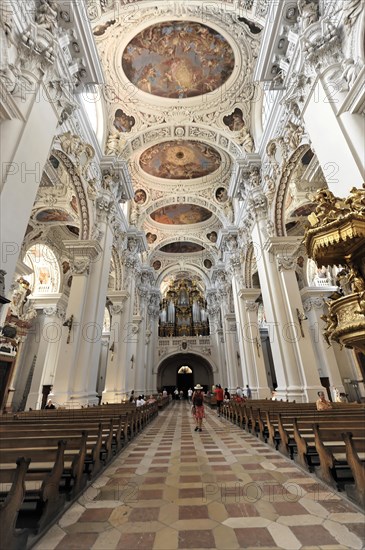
(180, 160)
(184, 247)
(178, 59)
(181, 214)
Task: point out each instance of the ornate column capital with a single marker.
(321, 46)
(116, 309)
(55, 310)
(313, 303)
(104, 202)
(214, 300)
(82, 254)
(116, 178)
(286, 264)
(285, 247)
(249, 294)
(117, 297)
(251, 306)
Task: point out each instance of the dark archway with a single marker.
(168, 377)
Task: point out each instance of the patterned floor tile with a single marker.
(174, 489)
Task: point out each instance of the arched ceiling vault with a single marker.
(181, 109)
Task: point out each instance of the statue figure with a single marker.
(351, 11)
(350, 72)
(18, 301)
(327, 210)
(255, 178)
(132, 245)
(342, 281)
(293, 135)
(356, 200)
(361, 302)
(112, 145)
(47, 15)
(356, 280)
(245, 139)
(331, 321)
(308, 12)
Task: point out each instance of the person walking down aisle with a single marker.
(198, 407)
(190, 394)
(219, 398)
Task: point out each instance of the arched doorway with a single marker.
(168, 375)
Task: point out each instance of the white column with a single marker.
(85, 377)
(114, 389)
(240, 323)
(231, 348)
(218, 347)
(151, 342)
(342, 165)
(153, 311)
(327, 366)
(296, 329)
(139, 367)
(285, 363)
(103, 361)
(49, 346)
(81, 254)
(256, 368)
(26, 150)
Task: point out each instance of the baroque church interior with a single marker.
(182, 203)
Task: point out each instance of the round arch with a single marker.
(286, 174)
(78, 186)
(175, 268)
(168, 377)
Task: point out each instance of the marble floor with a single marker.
(174, 488)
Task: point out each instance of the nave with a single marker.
(173, 488)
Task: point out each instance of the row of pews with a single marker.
(329, 443)
(48, 457)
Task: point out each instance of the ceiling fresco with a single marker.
(181, 214)
(180, 160)
(53, 215)
(178, 59)
(184, 247)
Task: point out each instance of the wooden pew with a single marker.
(333, 466)
(74, 474)
(42, 500)
(356, 490)
(11, 538)
(63, 459)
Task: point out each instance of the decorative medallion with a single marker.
(221, 194)
(212, 237)
(181, 214)
(140, 196)
(178, 59)
(123, 122)
(180, 160)
(156, 265)
(185, 247)
(150, 238)
(208, 264)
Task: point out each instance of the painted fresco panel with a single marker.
(181, 214)
(184, 247)
(180, 160)
(178, 59)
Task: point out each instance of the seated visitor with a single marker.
(50, 405)
(322, 404)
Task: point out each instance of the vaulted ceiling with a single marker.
(181, 109)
